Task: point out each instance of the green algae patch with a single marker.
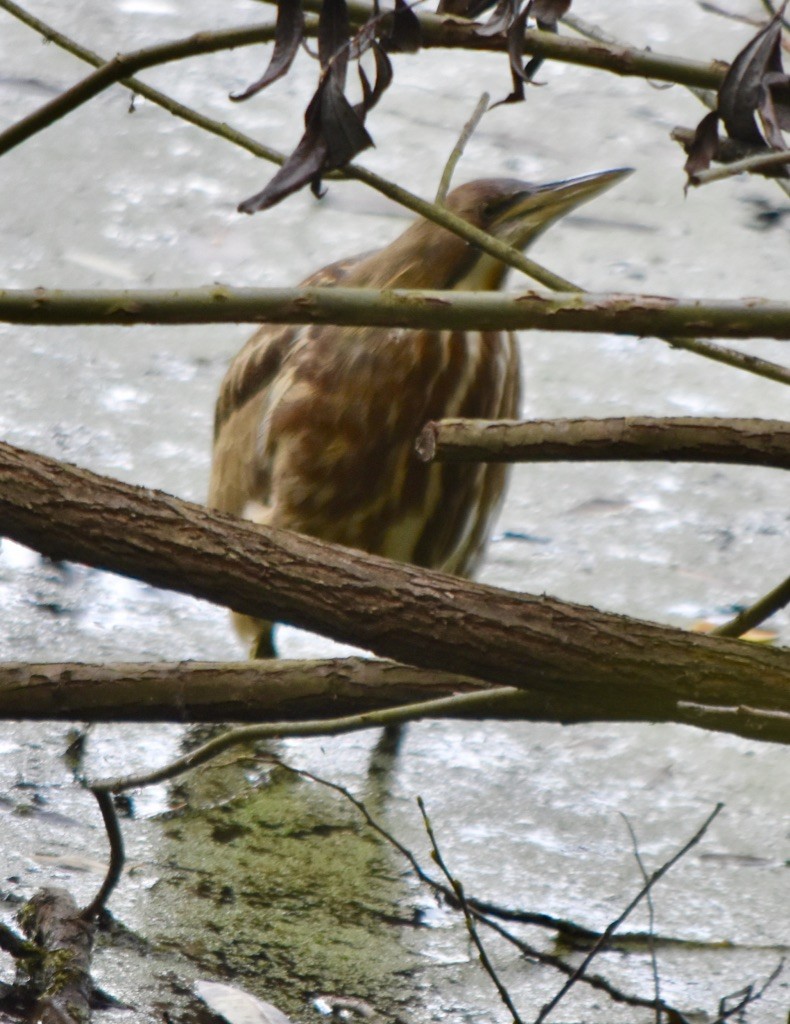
(284, 890)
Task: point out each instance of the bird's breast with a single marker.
(338, 435)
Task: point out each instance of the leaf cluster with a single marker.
(334, 126)
(335, 130)
(755, 85)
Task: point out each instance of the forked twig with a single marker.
(458, 889)
(483, 912)
(614, 925)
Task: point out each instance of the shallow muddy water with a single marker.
(247, 874)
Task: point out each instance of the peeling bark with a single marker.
(749, 442)
(420, 617)
(294, 692)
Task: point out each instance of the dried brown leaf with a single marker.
(548, 12)
(334, 134)
(303, 166)
(288, 34)
(372, 94)
(404, 34)
(341, 125)
(502, 18)
(334, 30)
(755, 84)
(742, 91)
(703, 146)
(464, 8)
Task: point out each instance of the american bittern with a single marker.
(315, 426)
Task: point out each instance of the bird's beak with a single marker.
(527, 214)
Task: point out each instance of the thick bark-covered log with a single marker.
(423, 618)
(299, 691)
(245, 691)
(749, 442)
(62, 979)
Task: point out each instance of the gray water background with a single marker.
(530, 815)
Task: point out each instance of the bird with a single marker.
(315, 425)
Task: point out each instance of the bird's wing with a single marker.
(237, 479)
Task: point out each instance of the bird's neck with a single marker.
(428, 257)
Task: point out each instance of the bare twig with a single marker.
(614, 925)
(729, 1009)
(756, 613)
(743, 19)
(620, 59)
(651, 919)
(574, 311)
(708, 716)
(121, 69)
(295, 690)
(771, 9)
(731, 151)
(322, 727)
(749, 164)
(485, 912)
(458, 149)
(632, 438)
(471, 928)
(117, 856)
(706, 95)
(16, 946)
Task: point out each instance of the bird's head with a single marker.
(428, 256)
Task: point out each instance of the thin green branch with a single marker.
(452, 310)
(458, 149)
(161, 99)
(322, 727)
(707, 97)
(756, 613)
(120, 69)
(437, 31)
(705, 94)
(439, 214)
(750, 164)
(440, 30)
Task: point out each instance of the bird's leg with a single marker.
(263, 645)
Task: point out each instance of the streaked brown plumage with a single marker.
(315, 426)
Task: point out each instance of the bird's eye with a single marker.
(502, 205)
(494, 207)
